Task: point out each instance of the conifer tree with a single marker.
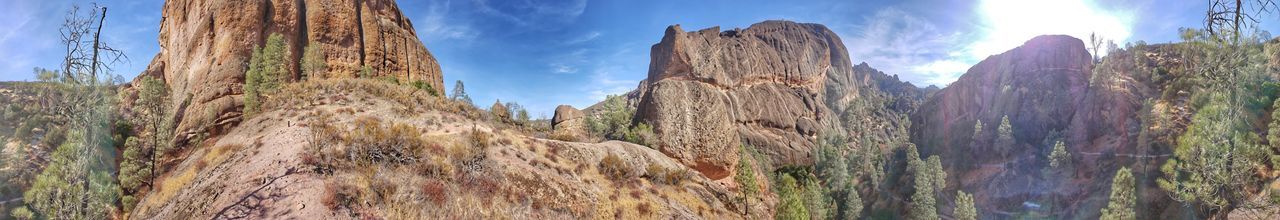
(964, 207)
(1123, 200)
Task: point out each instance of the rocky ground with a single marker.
(259, 169)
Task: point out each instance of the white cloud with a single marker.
(438, 25)
(534, 12)
(584, 38)
(897, 42)
(568, 63)
(942, 72)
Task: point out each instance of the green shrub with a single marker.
(792, 205)
(423, 85)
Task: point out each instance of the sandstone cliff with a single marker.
(205, 48)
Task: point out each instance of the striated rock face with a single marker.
(205, 47)
(708, 92)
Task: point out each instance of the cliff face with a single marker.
(205, 47)
(1051, 91)
(774, 87)
(706, 89)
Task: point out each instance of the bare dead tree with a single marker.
(1228, 15)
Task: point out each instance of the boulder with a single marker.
(568, 122)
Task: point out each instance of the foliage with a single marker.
(1123, 201)
(614, 123)
(314, 64)
(746, 179)
(792, 205)
(852, 203)
(499, 111)
(73, 186)
(614, 167)
(670, 176)
(817, 201)
(460, 93)
(267, 70)
(1059, 157)
(923, 204)
(424, 86)
(1216, 158)
(964, 207)
(1004, 137)
(135, 168)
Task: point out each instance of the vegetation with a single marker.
(1004, 137)
(460, 93)
(748, 189)
(792, 206)
(1123, 201)
(314, 64)
(614, 123)
(1216, 158)
(266, 72)
(1059, 156)
(964, 207)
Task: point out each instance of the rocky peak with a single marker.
(709, 92)
(205, 47)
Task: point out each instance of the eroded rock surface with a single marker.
(205, 47)
(708, 92)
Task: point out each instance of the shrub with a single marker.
(423, 85)
(659, 174)
(614, 167)
(338, 195)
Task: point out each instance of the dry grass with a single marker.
(614, 167)
(659, 174)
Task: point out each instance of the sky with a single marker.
(544, 53)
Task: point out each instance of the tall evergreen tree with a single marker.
(1004, 137)
(964, 207)
(267, 70)
(792, 205)
(1123, 200)
(1059, 157)
(314, 64)
(460, 93)
(923, 204)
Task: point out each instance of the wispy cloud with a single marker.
(584, 38)
(533, 13)
(437, 25)
(569, 62)
(897, 42)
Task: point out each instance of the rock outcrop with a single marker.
(568, 122)
(1038, 86)
(709, 92)
(1051, 91)
(205, 47)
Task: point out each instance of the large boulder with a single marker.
(205, 47)
(568, 122)
(709, 92)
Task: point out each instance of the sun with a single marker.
(1008, 23)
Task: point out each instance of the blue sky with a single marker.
(545, 53)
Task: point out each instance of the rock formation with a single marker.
(205, 47)
(770, 87)
(568, 121)
(1050, 90)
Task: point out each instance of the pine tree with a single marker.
(964, 207)
(460, 93)
(923, 204)
(791, 207)
(937, 175)
(852, 203)
(135, 168)
(1060, 157)
(746, 179)
(1004, 138)
(267, 70)
(1123, 200)
(314, 64)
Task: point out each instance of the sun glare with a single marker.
(1009, 23)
